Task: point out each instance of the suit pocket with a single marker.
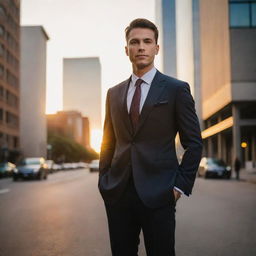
(161, 103)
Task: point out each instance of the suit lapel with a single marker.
(154, 93)
(123, 103)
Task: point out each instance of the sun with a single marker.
(96, 137)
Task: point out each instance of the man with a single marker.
(237, 165)
(140, 178)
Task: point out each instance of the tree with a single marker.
(65, 149)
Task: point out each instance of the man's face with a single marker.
(141, 47)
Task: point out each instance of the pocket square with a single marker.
(161, 103)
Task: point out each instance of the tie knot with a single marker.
(138, 82)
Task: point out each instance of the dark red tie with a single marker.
(135, 105)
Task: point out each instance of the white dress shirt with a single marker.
(145, 86)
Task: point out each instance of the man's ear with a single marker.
(157, 49)
(126, 50)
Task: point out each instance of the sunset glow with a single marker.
(96, 137)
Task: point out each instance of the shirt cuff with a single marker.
(179, 190)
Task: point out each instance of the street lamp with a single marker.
(244, 145)
(49, 151)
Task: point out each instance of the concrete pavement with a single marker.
(65, 216)
(247, 175)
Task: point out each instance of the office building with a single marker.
(70, 124)
(82, 88)
(9, 76)
(212, 45)
(33, 127)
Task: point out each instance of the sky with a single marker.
(85, 28)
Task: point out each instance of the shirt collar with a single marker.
(147, 77)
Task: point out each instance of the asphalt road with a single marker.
(65, 216)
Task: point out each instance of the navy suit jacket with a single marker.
(149, 152)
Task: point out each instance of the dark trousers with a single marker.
(129, 216)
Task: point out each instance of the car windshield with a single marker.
(29, 162)
(216, 161)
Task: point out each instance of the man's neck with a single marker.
(141, 72)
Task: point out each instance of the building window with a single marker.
(242, 13)
(1, 31)
(253, 14)
(15, 141)
(11, 99)
(11, 41)
(2, 12)
(239, 15)
(12, 23)
(247, 111)
(7, 95)
(1, 115)
(7, 118)
(1, 50)
(1, 92)
(11, 119)
(11, 59)
(1, 71)
(11, 79)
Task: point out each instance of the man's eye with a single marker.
(133, 42)
(148, 41)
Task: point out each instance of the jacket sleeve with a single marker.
(190, 138)
(109, 140)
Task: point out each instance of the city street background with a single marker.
(57, 60)
(65, 216)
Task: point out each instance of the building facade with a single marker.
(9, 76)
(70, 124)
(82, 88)
(215, 44)
(33, 127)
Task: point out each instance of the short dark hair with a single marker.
(141, 23)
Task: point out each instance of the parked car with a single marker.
(213, 167)
(82, 165)
(94, 165)
(50, 164)
(6, 169)
(67, 166)
(74, 166)
(32, 167)
(56, 167)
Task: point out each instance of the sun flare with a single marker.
(96, 137)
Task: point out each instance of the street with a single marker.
(65, 216)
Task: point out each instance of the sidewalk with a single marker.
(247, 175)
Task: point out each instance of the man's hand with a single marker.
(177, 195)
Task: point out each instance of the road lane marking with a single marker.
(5, 190)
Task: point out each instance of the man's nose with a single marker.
(141, 46)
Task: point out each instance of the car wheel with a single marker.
(40, 175)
